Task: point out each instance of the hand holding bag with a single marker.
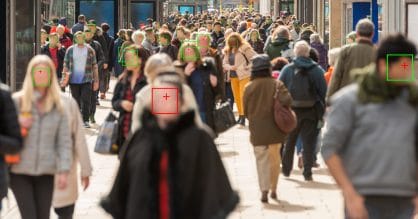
(108, 135)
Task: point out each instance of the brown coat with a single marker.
(242, 61)
(259, 109)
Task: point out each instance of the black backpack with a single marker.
(302, 88)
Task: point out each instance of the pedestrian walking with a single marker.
(305, 81)
(237, 56)
(333, 55)
(79, 26)
(156, 65)
(117, 49)
(47, 146)
(373, 155)
(318, 45)
(278, 44)
(11, 141)
(265, 135)
(100, 60)
(202, 77)
(129, 84)
(166, 46)
(255, 41)
(56, 52)
(81, 73)
(170, 168)
(357, 55)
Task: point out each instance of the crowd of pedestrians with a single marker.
(338, 100)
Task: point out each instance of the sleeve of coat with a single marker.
(10, 138)
(79, 141)
(100, 55)
(284, 95)
(250, 53)
(117, 99)
(64, 145)
(245, 101)
(191, 104)
(266, 44)
(103, 45)
(336, 76)
(335, 135)
(225, 63)
(138, 108)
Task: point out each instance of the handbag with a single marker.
(108, 136)
(284, 116)
(223, 117)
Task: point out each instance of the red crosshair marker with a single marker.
(404, 65)
(166, 96)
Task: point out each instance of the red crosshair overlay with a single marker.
(166, 96)
(164, 100)
(404, 66)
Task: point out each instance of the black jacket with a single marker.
(215, 37)
(10, 138)
(98, 36)
(100, 56)
(170, 50)
(110, 44)
(198, 184)
(118, 96)
(258, 46)
(60, 55)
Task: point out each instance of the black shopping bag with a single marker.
(108, 135)
(223, 117)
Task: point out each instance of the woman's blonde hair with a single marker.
(238, 38)
(53, 92)
(157, 64)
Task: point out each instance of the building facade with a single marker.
(23, 20)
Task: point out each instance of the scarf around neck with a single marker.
(373, 89)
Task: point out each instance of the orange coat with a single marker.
(328, 74)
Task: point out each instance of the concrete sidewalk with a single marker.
(297, 199)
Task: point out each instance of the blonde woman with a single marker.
(47, 146)
(237, 56)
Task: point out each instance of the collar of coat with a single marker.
(184, 121)
(374, 89)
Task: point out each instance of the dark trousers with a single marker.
(93, 99)
(33, 195)
(388, 207)
(104, 78)
(65, 212)
(307, 129)
(83, 93)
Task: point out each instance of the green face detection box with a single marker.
(133, 62)
(405, 66)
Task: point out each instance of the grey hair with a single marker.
(333, 54)
(301, 49)
(315, 38)
(157, 64)
(228, 32)
(135, 36)
(365, 28)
